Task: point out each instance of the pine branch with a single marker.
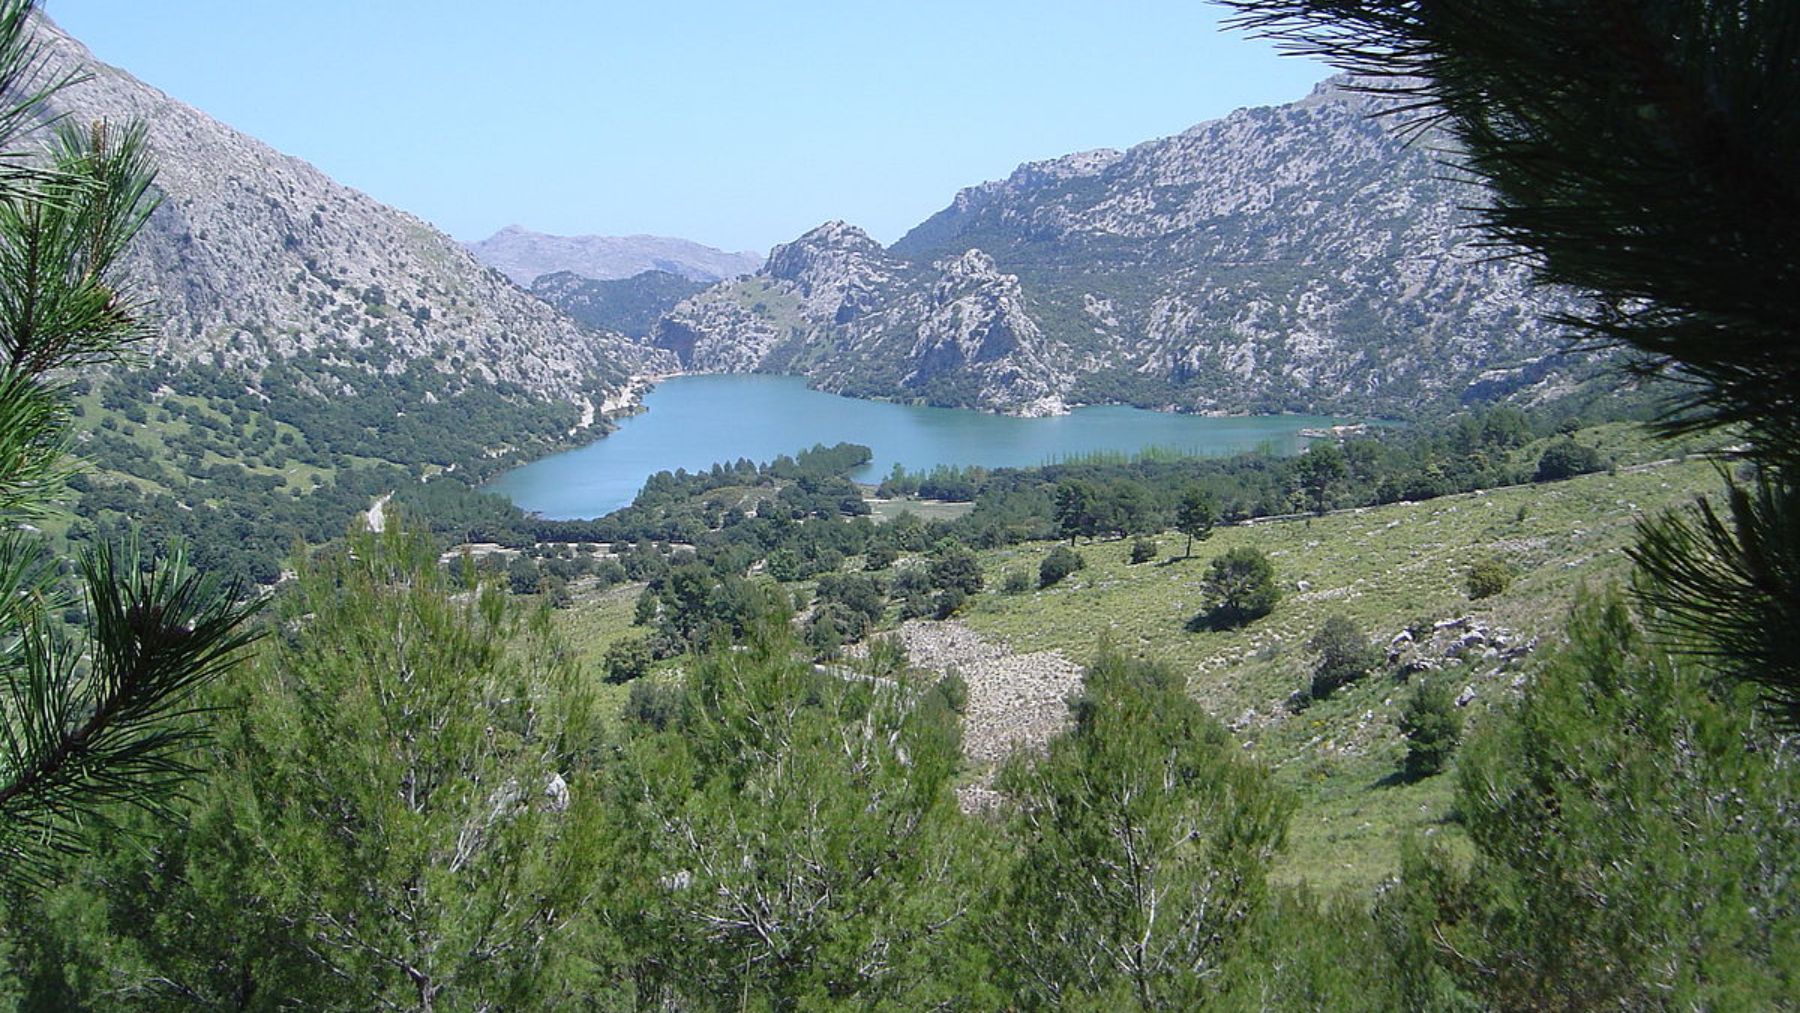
(87, 730)
(1721, 584)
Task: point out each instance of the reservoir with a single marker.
(696, 421)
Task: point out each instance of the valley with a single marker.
(1196, 575)
(1390, 568)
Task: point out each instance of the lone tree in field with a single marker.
(1240, 588)
(1647, 154)
(87, 723)
(1076, 504)
(1345, 655)
(1432, 725)
(1195, 517)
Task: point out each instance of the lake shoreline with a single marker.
(692, 421)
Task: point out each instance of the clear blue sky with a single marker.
(738, 124)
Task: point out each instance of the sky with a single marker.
(739, 125)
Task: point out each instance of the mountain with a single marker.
(631, 306)
(524, 256)
(1300, 257)
(315, 351)
(256, 259)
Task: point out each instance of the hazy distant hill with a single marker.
(256, 257)
(631, 306)
(524, 256)
(1294, 257)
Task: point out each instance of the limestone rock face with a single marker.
(255, 256)
(1300, 257)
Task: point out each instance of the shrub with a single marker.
(862, 600)
(1632, 823)
(1016, 582)
(627, 660)
(916, 605)
(828, 628)
(652, 705)
(954, 567)
(880, 557)
(953, 689)
(949, 602)
(1565, 458)
(1432, 725)
(1345, 655)
(1143, 550)
(1488, 576)
(1241, 588)
(522, 575)
(785, 565)
(909, 580)
(1061, 562)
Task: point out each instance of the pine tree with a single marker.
(1645, 154)
(1144, 838)
(87, 723)
(1196, 515)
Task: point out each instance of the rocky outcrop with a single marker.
(832, 277)
(254, 256)
(1287, 258)
(1466, 640)
(524, 256)
(1016, 701)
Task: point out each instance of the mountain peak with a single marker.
(833, 248)
(1295, 257)
(254, 257)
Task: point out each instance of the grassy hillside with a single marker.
(1387, 568)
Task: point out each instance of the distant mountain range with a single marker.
(524, 256)
(1300, 257)
(256, 257)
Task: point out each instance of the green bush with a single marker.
(830, 625)
(1488, 576)
(1345, 655)
(1632, 824)
(1061, 562)
(1432, 725)
(1565, 458)
(1016, 582)
(1143, 550)
(652, 705)
(627, 660)
(1240, 587)
(949, 602)
(916, 605)
(954, 567)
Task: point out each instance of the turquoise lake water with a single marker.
(695, 421)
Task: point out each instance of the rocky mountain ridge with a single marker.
(630, 306)
(524, 256)
(255, 257)
(1299, 257)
